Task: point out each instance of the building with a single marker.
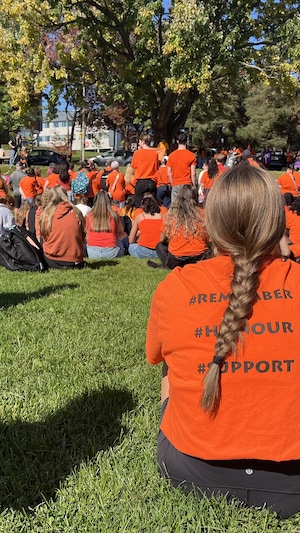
(55, 133)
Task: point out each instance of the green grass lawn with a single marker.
(80, 411)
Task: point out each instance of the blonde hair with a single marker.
(50, 201)
(102, 213)
(245, 219)
(185, 214)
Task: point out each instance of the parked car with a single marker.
(43, 157)
(278, 161)
(124, 158)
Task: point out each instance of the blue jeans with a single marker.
(12, 158)
(96, 252)
(164, 195)
(142, 252)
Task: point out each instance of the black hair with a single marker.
(150, 204)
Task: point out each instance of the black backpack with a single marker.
(20, 250)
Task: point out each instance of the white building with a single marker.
(54, 133)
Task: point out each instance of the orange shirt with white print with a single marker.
(260, 385)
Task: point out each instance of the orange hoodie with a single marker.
(66, 238)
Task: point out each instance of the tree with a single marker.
(156, 63)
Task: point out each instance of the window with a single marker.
(45, 125)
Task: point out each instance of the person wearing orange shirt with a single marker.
(293, 227)
(209, 176)
(289, 182)
(62, 230)
(100, 180)
(115, 184)
(144, 165)
(51, 179)
(181, 166)
(146, 227)
(29, 186)
(227, 332)
(163, 184)
(183, 239)
(40, 180)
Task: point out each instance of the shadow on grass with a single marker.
(36, 457)
(9, 299)
(103, 262)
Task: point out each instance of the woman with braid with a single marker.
(228, 333)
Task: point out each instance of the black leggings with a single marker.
(257, 483)
(171, 261)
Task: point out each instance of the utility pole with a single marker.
(83, 124)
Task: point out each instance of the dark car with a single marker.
(42, 156)
(278, 161)
(124, 158)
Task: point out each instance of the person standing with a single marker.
(181, 166)
(15, 145)
(14, 182)
(144, 165)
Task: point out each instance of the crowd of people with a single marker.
(224, 325)
(156, 210)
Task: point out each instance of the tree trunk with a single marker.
(170, 116)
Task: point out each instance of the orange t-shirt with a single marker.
(29, 186)
(145, 164)
(258, 416)
(91, 174)
(293, 225)
(41, 184)
(206, 181)
(162, 177)
(118, 193)
(96, 183)
(181, 162)
(51, 180)
(289, 183)
(182, 246)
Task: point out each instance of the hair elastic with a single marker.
(218, 360)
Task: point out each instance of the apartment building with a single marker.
(55, 133)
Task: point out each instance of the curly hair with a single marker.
(241, 226)
(295, 207)
(184, 214)
(150, 204)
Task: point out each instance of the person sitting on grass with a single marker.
(6, 213)
(146, 227)
(62, 230)
(104, 230)
(183, 239)
(228, 333)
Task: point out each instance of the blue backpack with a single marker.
(81, 184)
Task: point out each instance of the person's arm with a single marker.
(163, 238)
(22, 193)
(170, 175)
(10, 143)
(164, 383)
(133, 232)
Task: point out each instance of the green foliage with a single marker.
(137, 55)
(79, 410)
